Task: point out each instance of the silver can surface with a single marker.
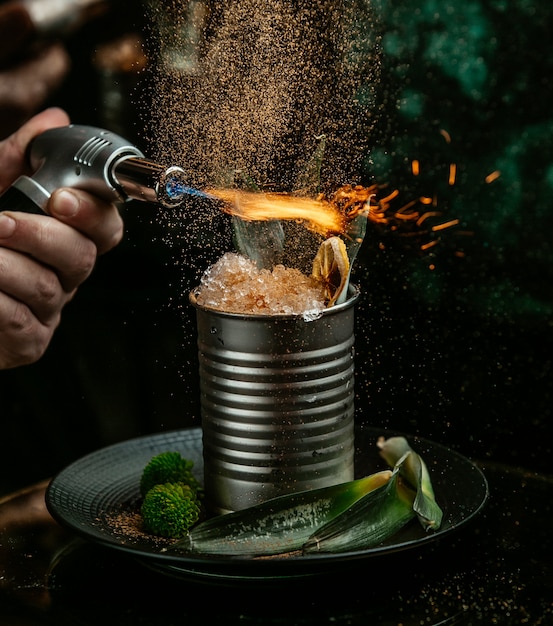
(277, 403)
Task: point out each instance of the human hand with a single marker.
(44, 260)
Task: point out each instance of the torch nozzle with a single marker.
(143, 179)
(101, 163)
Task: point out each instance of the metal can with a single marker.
(277, 403)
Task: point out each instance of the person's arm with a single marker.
(44, 259)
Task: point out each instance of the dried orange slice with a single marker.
(331, 267)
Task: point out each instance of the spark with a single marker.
(445, 225)
(430, 244)
(493, 176)
(390, 197)
(452, 173)
(445, 135)
(399, 215)
(403, 210)
(332, 214)
(426, 215)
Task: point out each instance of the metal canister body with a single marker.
(277, 402)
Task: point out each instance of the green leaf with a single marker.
(415, 473)
(279, 525)
(369, 521)
(354, 239)
(262, 242)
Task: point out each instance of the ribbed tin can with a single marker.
(277, 403)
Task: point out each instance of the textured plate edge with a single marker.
(209, 563)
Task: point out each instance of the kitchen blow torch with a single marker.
(99, 162)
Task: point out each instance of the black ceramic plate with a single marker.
(92, 495)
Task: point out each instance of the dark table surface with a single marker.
(498, 569)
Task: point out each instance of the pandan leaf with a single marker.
(279, 525)
(262, 242)
(355, 235)
(369, 521)
(415, 472)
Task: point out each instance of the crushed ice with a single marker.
(235, 284)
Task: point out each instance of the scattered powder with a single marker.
(235, 284)
(126, 523)
(249, 87)
(255, 83)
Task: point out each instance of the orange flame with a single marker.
(317, 214)
(334, 214)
